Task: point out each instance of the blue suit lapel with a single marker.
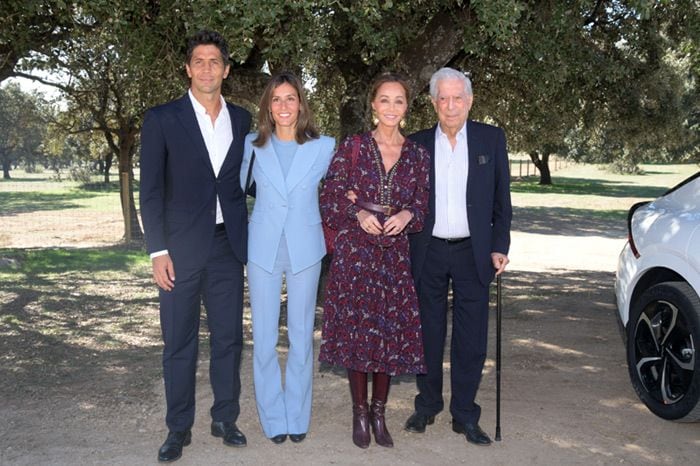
(267, 160)
(301, 164)
(188, 119)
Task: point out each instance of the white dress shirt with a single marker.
(451, 170)
(217, 137)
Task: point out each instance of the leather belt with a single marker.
(452, 240)
(220, 227)
(380, 209)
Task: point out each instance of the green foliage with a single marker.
(81, 173)
(28, 26)
(499, 19)
(604, 81)
(22, 128)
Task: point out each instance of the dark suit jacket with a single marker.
(489, 208)
(178, 186)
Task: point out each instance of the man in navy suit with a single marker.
(465, 241)
(195, 219)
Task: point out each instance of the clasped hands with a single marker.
(370, 223)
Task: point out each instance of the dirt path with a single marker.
(566, 394)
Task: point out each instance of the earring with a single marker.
(402, 123)
(375, 119)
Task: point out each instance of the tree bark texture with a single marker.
(542, 165)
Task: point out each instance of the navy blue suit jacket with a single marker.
(179, 188)
(489, 209)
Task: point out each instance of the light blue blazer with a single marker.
(288, 206)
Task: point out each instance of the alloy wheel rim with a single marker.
(664, 352)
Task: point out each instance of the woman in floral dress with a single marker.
(375, 193)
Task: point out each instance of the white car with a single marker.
(657, 288)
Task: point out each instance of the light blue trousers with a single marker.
(283, 409)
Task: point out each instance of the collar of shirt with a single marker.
(461, 134)
(199, 108)
(451, 174)
(217, 138)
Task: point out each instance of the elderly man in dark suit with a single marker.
(195, 219)
(465, 241)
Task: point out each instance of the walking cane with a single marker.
(498, 358)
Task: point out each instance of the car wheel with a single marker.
(663, 335)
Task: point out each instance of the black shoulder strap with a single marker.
(250, 173)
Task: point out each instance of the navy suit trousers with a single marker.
(445, 263)
(219, 283)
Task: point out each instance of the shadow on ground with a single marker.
(564, 221)
(589, 186)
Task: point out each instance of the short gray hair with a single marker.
(449, 73)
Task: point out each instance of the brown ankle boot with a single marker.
(360, 410)
(380, 393)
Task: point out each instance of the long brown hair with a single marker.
(306, 128)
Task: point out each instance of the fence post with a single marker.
(126, 205)
(520, 166)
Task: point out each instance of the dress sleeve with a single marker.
(337, 210)
(419, 206)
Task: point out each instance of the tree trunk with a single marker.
(352, 107)
(543, 166)
(126, 154)
(440, 43)
(6, 166)
(107, 165)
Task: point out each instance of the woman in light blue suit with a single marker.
(285, 238)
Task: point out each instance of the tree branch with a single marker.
(439, 43)
(32, 77)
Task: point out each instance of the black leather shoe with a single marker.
(297, 438)
(473, 433)
(417, 422)
(230, 433)
(172, 448)
(279, 438)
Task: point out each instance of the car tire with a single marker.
(663, 335)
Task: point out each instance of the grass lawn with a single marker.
(590, 190)
(31, 192)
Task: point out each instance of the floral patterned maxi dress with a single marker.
(371, 319)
